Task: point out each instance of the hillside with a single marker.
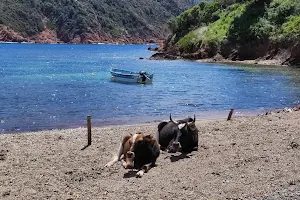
(237, 30)
(87, 21)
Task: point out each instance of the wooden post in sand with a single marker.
(230, 114)
(89, 128)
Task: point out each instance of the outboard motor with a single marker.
(143, 74)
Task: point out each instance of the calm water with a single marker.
(53, 86)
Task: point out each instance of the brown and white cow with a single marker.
(139, 151)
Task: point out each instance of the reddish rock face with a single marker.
(51, 36)
(47, 36)
(8, 35)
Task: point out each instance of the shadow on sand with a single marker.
(175, 158)
(130, 174)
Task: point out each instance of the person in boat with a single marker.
(144, 76)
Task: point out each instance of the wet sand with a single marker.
(255, 157)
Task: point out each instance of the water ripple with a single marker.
(57, 86)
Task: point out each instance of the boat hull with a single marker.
(130, 77)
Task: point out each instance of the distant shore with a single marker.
(245, 158)
(260, 61)
(273, 62)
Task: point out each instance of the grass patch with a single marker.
(192, 41)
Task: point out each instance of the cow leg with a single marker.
(117, 157)
(124, 164)
(139, 174)
(145, 169)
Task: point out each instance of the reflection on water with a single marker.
(57, 86)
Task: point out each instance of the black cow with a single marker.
(178, 135)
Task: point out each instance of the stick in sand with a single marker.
(89, 129)
(230, 114)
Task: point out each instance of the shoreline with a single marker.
(134, 121)
(96, 43)
(259, 62)
(253, 157)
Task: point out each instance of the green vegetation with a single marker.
(198, 16)
(236, 24)
(19, 15)
(284, 16)
(218, 31)
(71, 18)
(291, 29)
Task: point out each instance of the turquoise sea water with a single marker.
(47, 86)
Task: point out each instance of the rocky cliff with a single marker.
(87, 21)
(257, 31)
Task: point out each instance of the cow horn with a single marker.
(194, 120)
(172, 119)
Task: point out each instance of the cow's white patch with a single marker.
(134, 138)
(113, 161)
(120, 151)
(124, 164)
(139, 174)
(180, 126)
(117, 157)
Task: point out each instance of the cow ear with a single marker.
(148, 137)
(125, 139)
(161, 125)
(180, 126)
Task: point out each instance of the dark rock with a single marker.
(218, 57)
(294, 145)
(6, 193)
(163, 56)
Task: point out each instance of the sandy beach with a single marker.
(244, 158)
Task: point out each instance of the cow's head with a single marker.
(190, 125)
(184, 126)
